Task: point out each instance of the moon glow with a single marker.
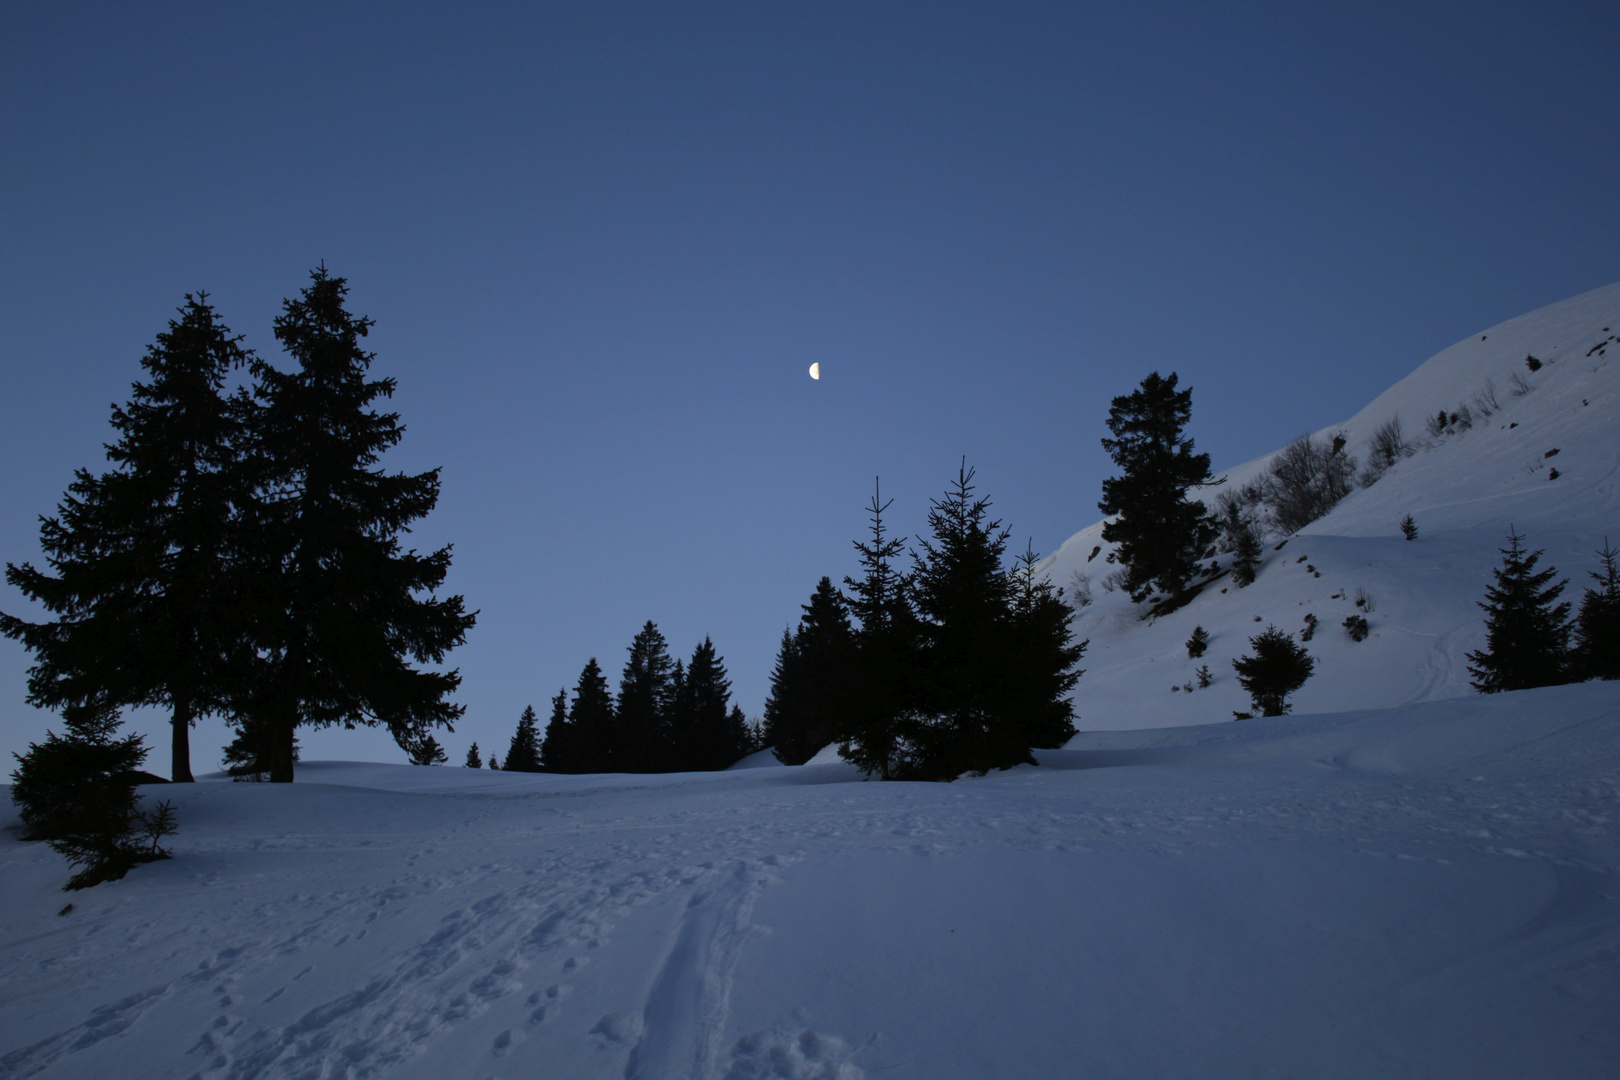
(815, 370)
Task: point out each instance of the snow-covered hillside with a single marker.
(1463, 491)
(1419, 892)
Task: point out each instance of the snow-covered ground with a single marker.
(1428, 891)
(1427, 887)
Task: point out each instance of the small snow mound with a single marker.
(791, 1055)
(619, 1027)
(759, 759)
(827, 755)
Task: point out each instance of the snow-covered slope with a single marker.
(1464, 491)
(1421, 892)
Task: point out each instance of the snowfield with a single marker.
(1420, 892)
(1404, 879)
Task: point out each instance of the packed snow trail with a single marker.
(1428, 891)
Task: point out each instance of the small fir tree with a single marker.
(1526, 628)
(1279, 666)
(77, 793)
(493, 763)
(523, 753)
(474, 761)
(1159, 532)
(425, 750)
(1204, 676)
(1597, 624)
(1245, 546)
(1409, 527)
(1198, 644)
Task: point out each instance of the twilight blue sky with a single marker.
(603, 243)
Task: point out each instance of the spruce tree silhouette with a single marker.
(1279, 666)
(523, 753)
(142, 553)
(333, 598)
(810, 683)
(646, 700)
(1526, 629)
(1159, 531)
(1597, 624)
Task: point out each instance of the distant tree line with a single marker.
(955, 663)
(669, 716)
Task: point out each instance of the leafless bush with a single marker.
(1307, 479)
(1114, 580)
(1387, 446)
(1518, 385)
(1364, 600)
(1079, 590)
(1485, 401)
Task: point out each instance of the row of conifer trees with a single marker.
(950, 665)
(669, 716)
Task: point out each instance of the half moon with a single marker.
(815, 370)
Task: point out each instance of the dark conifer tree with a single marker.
(706, 738)
(335, 606)
(592, 725)
(1526, 629)
(810, 685)
(646, 699)
(1159, 532)
(425, 750)
(557, 751)
(1597, 625)
(1239, 537)
(1279, 666)
(523, 753)
(964, 599)
(474, 759)
(1044, 654)
(1198, 644)
(881, 729)
(142, 553)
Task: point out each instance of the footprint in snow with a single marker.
(791, 1055)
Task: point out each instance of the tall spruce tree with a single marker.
(1526, 628)
(881, 728)
(592, 725)
(1597, 624)
(556, 745)
(334, 600)
(1160, 532)
(1043, 662)
(704, 732)
(142, 553)
(997, 657)
(523, 752)
(810, 689)
(646, 700)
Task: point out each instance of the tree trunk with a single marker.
(180, 744)
(283, 721)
